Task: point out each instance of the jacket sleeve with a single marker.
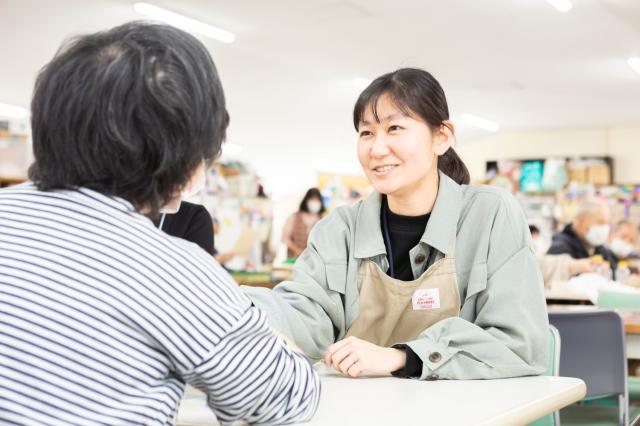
(307, 309)
(508, 337)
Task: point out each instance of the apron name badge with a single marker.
(426, 298)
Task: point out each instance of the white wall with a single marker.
(623, 144)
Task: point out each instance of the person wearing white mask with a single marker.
(189, 221)
(572, 248)
(298, 226)
(539, 244)
(623, 239)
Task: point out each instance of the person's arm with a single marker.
(287, 234)
(561, 267)
(509, 335)
(255, 376)
(221, 344)
(309, 309)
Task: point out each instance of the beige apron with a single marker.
(394, 311)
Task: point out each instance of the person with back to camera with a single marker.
(105, 317)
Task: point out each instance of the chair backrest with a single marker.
(553, 364)
(593, 349)
(619, 300)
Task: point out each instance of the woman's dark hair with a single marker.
(129, 112)
(311, 193)
(416, 93)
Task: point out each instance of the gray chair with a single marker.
(593, 350)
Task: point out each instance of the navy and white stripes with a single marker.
(103, 318)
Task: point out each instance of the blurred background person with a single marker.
(623, 239)
(573, 249)
(189, 221)
(622, 243)
(540, 244)
(298, 225)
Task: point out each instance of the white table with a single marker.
(389, 401)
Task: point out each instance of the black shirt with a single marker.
(404, 233)
(192, 222)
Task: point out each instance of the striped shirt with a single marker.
(103, 318)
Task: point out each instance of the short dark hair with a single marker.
(129, 112)
(417, 93)
(311, 193)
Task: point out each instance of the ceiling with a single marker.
(288, 76)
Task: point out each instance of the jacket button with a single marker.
(435, 357)
(420, 258)
(433, 377)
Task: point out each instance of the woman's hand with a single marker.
(353, 357)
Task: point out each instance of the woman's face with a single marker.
(400, 151)
(314, 205)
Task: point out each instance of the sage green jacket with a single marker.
(501, 330)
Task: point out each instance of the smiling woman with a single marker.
(429, 277)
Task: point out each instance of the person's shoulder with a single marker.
(341, 217)
(486, 196)
(336, 228)
(192, 209)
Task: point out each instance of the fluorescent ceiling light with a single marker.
(361, 83)
(13, 111)
(634, 62)
(561, 5)
(183, 22)
(481, 123)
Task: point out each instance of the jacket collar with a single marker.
(440, 232)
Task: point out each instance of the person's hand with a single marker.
(580, 266)
(353, 357)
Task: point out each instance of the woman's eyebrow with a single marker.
(387, 118)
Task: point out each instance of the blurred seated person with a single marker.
(539, 243)
(298, 226)
(189, 221)
(623, 239)
(622, 242)
(572, 248)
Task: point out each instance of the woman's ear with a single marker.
(443, 137)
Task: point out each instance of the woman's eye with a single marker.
(365, 133)
(394, 128)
